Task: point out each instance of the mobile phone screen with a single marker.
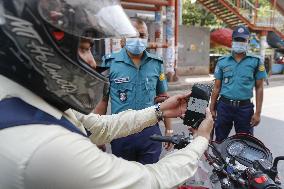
(197, 104)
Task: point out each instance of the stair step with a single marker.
(231, 20)
(222, 10)
(234, 23)
(209, 2)
(228, 16)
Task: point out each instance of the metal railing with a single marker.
(245, 8)
(259, 16)
(279, 21)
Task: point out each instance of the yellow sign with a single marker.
(261, 68)
(162, 77)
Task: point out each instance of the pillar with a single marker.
(170, 38)
(159, 30)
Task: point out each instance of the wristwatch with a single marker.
(158, 112)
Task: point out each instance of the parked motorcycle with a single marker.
(239, 162)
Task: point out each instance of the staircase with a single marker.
(236, 12)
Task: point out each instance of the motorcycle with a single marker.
(240, 161)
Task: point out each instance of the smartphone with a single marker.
(197, 104)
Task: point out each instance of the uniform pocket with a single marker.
(247, 76)
(148, 92)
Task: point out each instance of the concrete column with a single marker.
(159, 30)
(108, 48)
(170, 36)
(263, 43)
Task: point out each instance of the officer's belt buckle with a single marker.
(235, 103)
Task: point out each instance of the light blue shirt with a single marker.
(132, 87)
(238, 78)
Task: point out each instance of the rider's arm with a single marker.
(74, 162)
(105, 128)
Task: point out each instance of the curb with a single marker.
(179, 86)
(187, 86)
(277, 78)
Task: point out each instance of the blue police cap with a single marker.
(241, 32)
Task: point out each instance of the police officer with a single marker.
(41, 77)
(136, 78)
(236, 76)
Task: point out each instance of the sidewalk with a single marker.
(186, 82)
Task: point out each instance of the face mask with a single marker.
(135, 46)
(239, 47)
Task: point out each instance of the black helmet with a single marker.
(39, 41)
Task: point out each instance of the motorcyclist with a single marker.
(46, 90)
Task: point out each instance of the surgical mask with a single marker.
(136, 46)
(239, 47)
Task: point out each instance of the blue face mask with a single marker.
(135, 46)
(239, 47)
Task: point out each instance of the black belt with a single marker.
(236, 103)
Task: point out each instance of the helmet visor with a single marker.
(101, 18)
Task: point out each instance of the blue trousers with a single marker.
(138, 147)
(228, 115)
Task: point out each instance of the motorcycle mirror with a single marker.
(276, 160)
(273, 169)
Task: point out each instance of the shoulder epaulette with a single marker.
(222, 57)
(255, 56)
(108, 57)
(155, 57)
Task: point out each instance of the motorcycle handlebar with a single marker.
(160, 138)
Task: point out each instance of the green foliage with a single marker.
(262, 3)
(195, 14)
(220, 50)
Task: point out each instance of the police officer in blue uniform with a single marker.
(236, 76)
(136, 78)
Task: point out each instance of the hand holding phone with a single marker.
(197, 104)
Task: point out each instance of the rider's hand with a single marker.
(205, 128)
(175, 106)
(255, 119)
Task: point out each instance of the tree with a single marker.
(195, 14)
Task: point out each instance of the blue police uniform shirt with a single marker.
(238, 78)
(132, 87)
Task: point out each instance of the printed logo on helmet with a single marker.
(241, 30)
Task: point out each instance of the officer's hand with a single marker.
(175, 106)
(213, 112)
(255, 119)
(102, 147)
(205, 128)
(168, 145)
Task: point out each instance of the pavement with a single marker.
(186, 82)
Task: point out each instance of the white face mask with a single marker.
(239, 47)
